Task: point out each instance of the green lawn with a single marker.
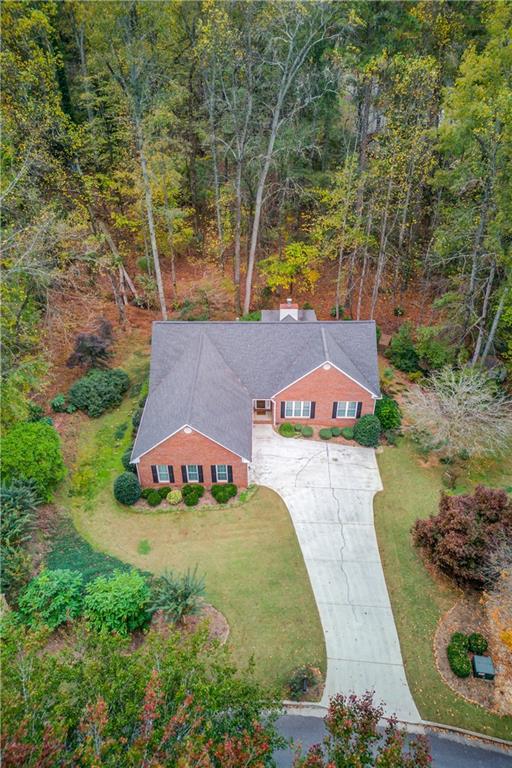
(412, 491)
(249, 553)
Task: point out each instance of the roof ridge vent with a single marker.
(324, 342)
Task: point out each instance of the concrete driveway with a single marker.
(329, 491)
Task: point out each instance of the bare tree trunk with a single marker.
(216, 184)
(149, 212)
(238, 234)
(494, 326)
(382, 251)
(170, 240)
(118, 300)
(483, 316)
(365, 266)
(258, 206)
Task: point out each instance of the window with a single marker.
(162, 471)
(297, 409)
(192, 473)
(346, 409)
(222, 473)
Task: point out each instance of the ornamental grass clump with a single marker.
(178, 595)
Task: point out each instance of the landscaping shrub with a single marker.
(119, 603)
(477, 643)
(98, 391)
(174, 497)
(307, 431)
(163, 490)
(125, 460)
(92, 350)
(348, 433)
(461, 538)
(18, 503)
(457, 652)
(178, 596)
(388, 412)
(31, 451)
(52, 598)
(191, 493)
(137, 416)
(223, 492)
(302, 677)
(433, 352)
(254, 316)
(325, 434)
(336, 431)
(58, 404)
(297, 427)
(286, 429)
(367, 430)
(127, 488)
(391, 436)
(401, 351)
(154, 498)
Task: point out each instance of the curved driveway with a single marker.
(329, 489)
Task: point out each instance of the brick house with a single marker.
(211, 381)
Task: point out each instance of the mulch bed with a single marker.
(467, 616)
(218, 627)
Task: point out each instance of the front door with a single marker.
(263, 408)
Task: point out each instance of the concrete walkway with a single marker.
(329, 491)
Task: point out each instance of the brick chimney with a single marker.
(289, 309)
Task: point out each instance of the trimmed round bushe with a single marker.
(477, 643)
(348, 433)
(388, 412)
(307, 431)
(336, 431)
(127, 489)
(191, 493)
(325, 434)
(125, 461)
(286, 429)
(174, 497)
(223, 492)
(457, 653)
(154, 498)
(367, 431)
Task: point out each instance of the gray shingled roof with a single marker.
(206, 374)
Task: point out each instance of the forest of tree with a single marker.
(277, 142)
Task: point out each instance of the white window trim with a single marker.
(168, 478)
(347, 403)
(226, 480)
(293, 403)
(189, 479)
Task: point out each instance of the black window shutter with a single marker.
(171, 473)
(214, 473)
(334, 409)
(154, 473)
(359, 407)
(283, 405)
(312, 412)
(200, 472)
(230, 473)
(184, 473)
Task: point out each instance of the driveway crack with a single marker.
(342, 535)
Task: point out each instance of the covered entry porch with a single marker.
(262, 411)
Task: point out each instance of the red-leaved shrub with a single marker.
(460, 539)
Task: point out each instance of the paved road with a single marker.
(447, 752)
(329, 491)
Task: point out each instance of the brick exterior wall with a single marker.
(324, 387)
(192, 448)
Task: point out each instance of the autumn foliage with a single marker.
(462, 537)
